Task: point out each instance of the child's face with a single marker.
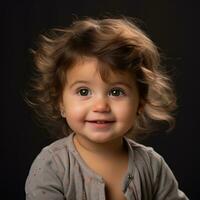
(96, 110)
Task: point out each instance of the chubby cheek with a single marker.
(75, 113)
(126, 114)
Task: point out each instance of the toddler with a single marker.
(98, 85)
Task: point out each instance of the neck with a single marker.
(108, 149)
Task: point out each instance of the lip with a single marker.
(100, 123)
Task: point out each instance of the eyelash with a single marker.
(81, 89)
(120, 92)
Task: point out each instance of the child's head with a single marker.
(118, 47)
(96, 109)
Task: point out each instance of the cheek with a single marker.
(126, 113)
(74, 112)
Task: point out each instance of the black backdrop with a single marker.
(172, 25)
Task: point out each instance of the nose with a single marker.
(101, 105)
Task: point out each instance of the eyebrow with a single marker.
(122, 83)
(79, 82)
(112, 83)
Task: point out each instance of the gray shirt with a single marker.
(59, 173)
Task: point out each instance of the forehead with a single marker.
(87, 68)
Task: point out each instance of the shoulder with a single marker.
(57, 147)
(53, 158)
(140, 151)
(53, 155)
(53, 150)
(48, 168)
(147, 160)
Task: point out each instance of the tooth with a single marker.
(100, 122)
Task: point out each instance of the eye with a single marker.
(84, 92)
(117, 92)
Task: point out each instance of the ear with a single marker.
(140, 107)
(62, 110)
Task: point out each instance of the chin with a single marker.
(101, 138)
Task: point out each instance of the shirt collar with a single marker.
(131, 167)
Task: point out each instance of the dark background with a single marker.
(172, 25)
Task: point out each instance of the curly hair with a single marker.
(118, 42)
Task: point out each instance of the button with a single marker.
(101, 181)
(130, 176)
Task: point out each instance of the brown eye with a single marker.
(84, 92)
(117, 92)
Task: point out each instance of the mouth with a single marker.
(100, 121)
(100, 124)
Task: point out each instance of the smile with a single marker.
(100, 124)
(100, 121)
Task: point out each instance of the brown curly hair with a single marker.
(121, 44)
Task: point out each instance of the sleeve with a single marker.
(43, 182)
(165, 184)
